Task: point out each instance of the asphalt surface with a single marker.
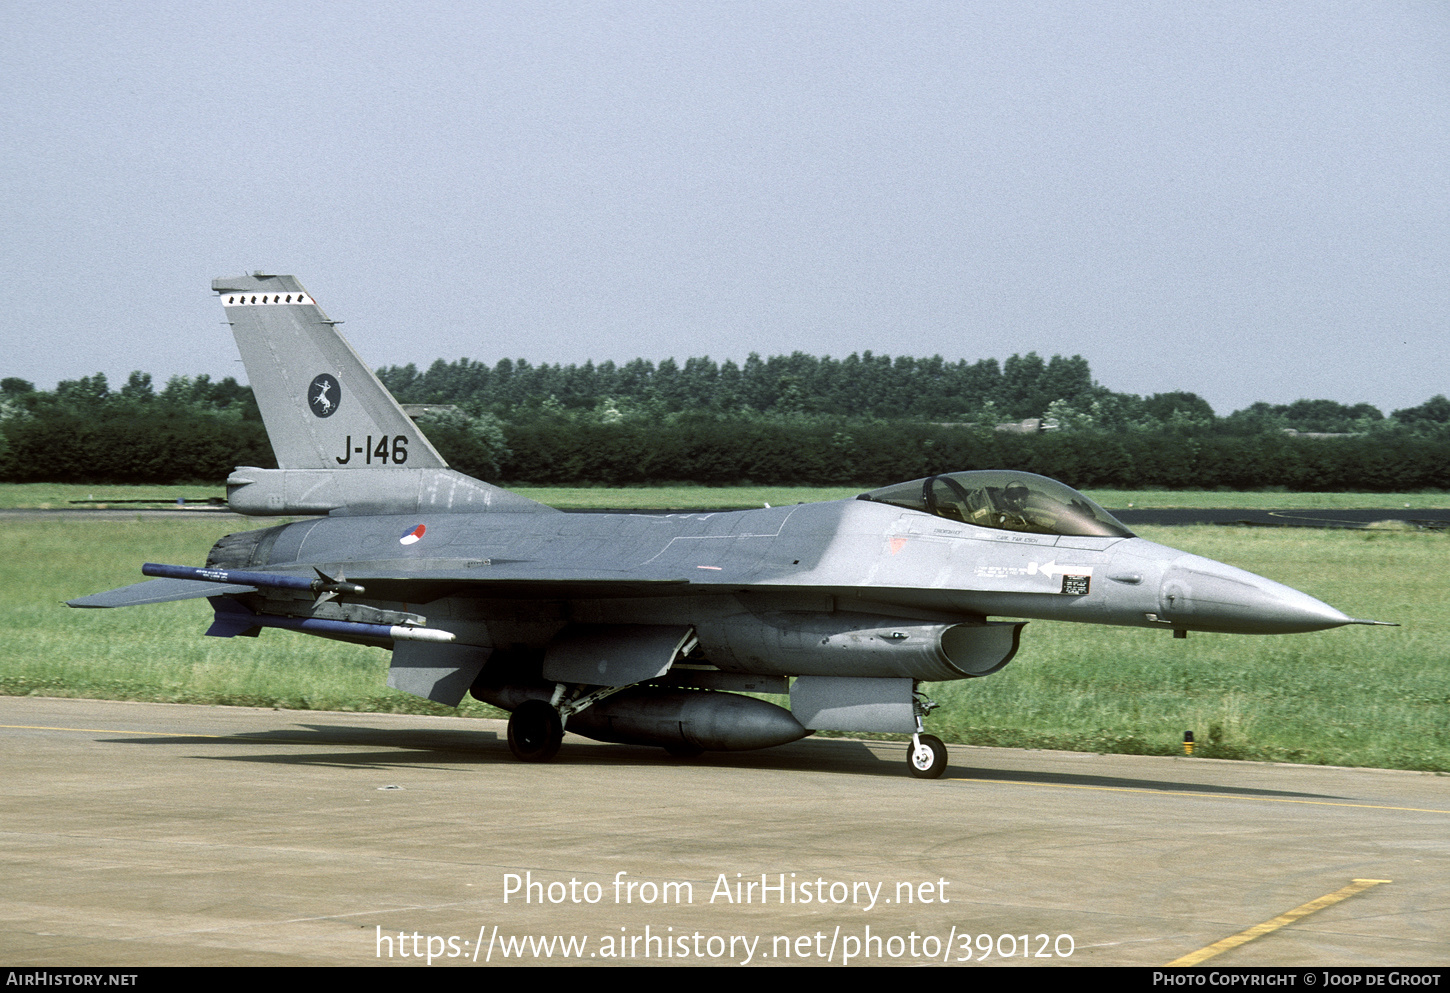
(154, 834)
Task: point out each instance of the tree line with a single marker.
(866, 385)
(797, 419)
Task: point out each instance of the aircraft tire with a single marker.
(930, 760)
(535, 732)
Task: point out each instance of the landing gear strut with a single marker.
(535, 732)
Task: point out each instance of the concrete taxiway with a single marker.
(153, 834)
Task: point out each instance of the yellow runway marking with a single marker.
(1259, 930)
(1211, 796)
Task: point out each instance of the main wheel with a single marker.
(535, 732)
(927, 757)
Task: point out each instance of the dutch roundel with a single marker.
(413, 536)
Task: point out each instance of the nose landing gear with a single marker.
(927, 756)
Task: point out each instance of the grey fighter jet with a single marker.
(650, 628)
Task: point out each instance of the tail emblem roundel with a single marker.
(324, 395)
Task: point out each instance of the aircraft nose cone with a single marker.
(1203, 595)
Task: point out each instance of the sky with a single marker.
(1248, 201)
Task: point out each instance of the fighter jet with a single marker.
(651, 628)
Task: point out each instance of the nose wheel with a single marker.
(927, 756)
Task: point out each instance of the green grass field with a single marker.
(1353, 696)
(58, 496)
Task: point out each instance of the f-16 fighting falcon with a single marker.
(650, 628)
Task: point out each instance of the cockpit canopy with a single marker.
(1006, 500)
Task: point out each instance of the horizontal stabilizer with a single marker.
(159, 591)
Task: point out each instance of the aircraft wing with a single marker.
(159, 591)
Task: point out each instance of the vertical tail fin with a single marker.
(323, 408)
(343, 444)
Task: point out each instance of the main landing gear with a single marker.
(535, 731)
(536, 727)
